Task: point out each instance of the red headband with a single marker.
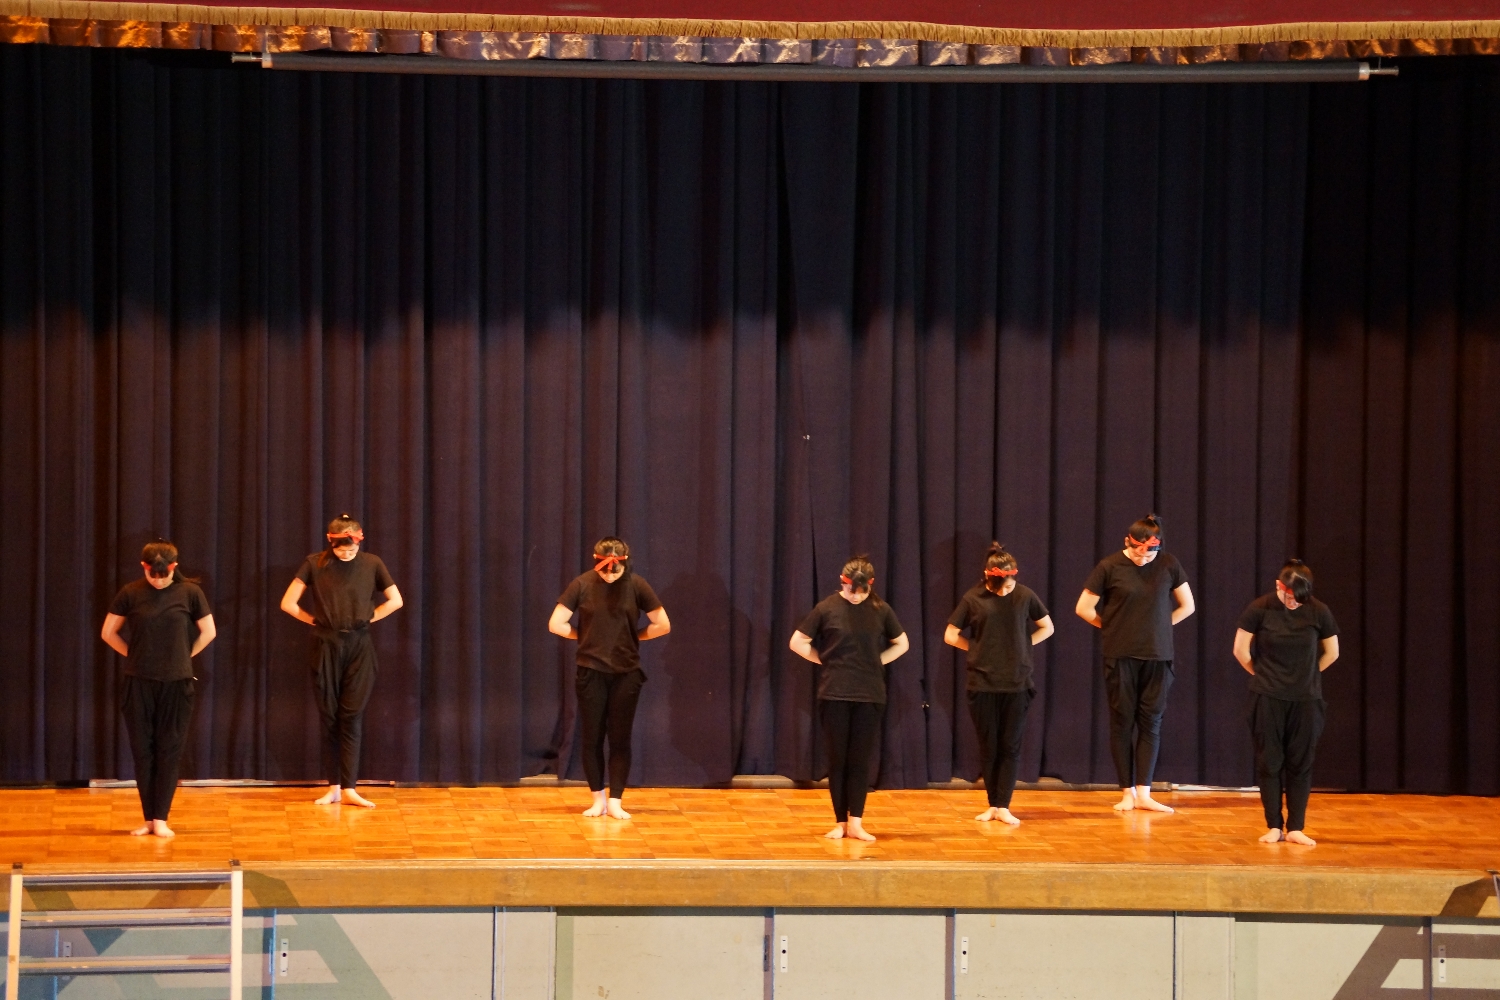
(851, 582)
(353, 536)
(607, 563)
(997, 571)
(1149, 543)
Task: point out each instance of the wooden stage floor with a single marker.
(1391, 854)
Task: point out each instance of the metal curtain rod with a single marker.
(587, 69)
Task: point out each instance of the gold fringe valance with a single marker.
(400, 20)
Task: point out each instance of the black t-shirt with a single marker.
(1136, 604)
(608, 616)
(343, 593)
(1286, 646)
(1000, 630)
(849, 639)
(161, 627)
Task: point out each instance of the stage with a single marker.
(1396, 855)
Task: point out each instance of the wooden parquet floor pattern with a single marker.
(89, 827)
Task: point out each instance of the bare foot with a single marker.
(330, 797)
(1298, 837)
(856, 829)
(355, 799)
(161, 829)
(1127, 801)
(1004, 816)
(1271, 837)
(141, 831)
(837, 833)
(614, 810)
(989, 814)
(597, 809)
(1143, 800)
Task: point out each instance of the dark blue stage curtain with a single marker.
(751, 328)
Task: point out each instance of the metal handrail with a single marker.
(232, 916)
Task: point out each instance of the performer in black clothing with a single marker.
(342, 582)
(1135, 596)
(609, 600)
(853, 634)
(169, 622)
(998, 614)
(1286, 640)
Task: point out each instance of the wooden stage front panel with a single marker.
(1382, 854)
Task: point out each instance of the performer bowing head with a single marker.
(853, 634)
(166, 622)
(610, 600)
(1285, 640)
(1135, 596)
(1004, 619)
(342, 585)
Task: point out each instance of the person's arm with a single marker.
(1185, 606)
(660, 625)
(206, 634)
(802, 646)
(290, 602)
(1044, 630)
(954, 637)
(896, 649)
(561, 622)
(111, 634)
(390, 605)
(1328, 651)
(1087, 608)
(1242, 650)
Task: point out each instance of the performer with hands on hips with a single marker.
(168, 621)
(853, 634)
(609, 600)
(999, 614)
(1135, 596)
(1285, 640)
(341, 582)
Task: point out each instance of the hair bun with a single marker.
(1154, 518)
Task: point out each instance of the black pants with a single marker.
(344, 671)
(851, 729)
(1286, 738)
(156, 715)
(1000, 720)
(1137, 691)
(606, 707)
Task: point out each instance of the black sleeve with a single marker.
(812, 623)
(891, 622)
(305, 571)
(1179, 575)
(1327, 627)
(572, 595)
(383, 579)
(1098, 580)
(960, 616)
(198, 603)
(1035, 609)
(122, 603)
(645, 597)
(1250, 619)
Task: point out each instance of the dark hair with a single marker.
(160, 554)
(342, 525)
(1147, 528)
(1297, 577)
(996, 558)
(859, 574)
(609, 545)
